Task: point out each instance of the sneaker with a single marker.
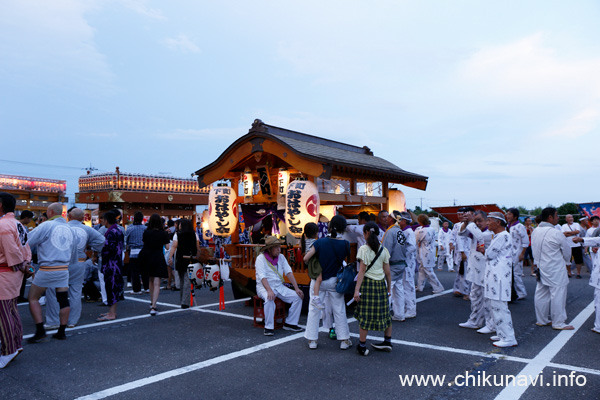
(345, 344)
(438, 291)
(58, 336)
(502, 343)
(146, 291)
(332, 334)
(293, 328)
(312, 344)
(495, 338)
(49, 327)
(317, 303)
(468, 325)
(485, 330)
(5, 360)
(383, 346)
(269, 332)
(37, 338)
(362, 350)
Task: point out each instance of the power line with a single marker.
(41, 165)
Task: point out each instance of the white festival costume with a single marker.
(498, 275)
(595, 278)
(520, 241)
(425, 236)
(444, 253)
(551, 252)
(274, 275)
(480, 314)
(461, 244)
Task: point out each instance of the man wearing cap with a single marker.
(593, 240)
(520, 243)
(55, 244)
(401, 243)
(476, 226)
(14, 259)
(551, 251)
(85, 236)
(497, 281)
(462, 246)
(271, 266)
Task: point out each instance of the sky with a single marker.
(496, 102)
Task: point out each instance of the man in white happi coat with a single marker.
(482, 237)
(86, 236)
(584, 222)
(462, 246)
(571, 230)
(593, 240)
(444, 253)
(400, 242)
(551, 251)
(595, 222)
(271, 266)
(425, 236)
(55, 244)
(497, 281)
(520, 243)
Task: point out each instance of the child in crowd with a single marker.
(310, 235)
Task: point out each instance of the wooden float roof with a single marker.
(326, 157)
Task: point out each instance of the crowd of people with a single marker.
(64, 257)
(395, 259)
(486, 251)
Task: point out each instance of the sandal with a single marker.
(104, 318)
(153, 311)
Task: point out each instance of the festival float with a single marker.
(286, 179)
(34, 194)
(166, 196)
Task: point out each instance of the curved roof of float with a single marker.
(335, 156)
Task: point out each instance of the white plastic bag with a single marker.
(224, 267)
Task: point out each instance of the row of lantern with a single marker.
(34, 184)
(301, 207)
(88, 183)
(283, 180)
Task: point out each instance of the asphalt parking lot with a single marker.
(205, 353)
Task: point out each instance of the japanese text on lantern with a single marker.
(222, 210)
(294, 195)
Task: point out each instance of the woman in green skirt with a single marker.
(371, 294)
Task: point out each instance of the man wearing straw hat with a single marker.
(271, 266)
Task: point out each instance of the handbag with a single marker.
(346, 276)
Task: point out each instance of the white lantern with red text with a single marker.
(301, 206)
(248, 185)
(222, 210)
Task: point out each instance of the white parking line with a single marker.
(431, 296)
(190, 368)
(544, 357)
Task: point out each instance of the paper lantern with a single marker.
(301, 206)
(248, 185)
(222, 211)
(283, 180)
(396, 200)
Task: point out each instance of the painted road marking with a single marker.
(190, 368)
(544, 357)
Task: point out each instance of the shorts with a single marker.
(577, 253)
(51, 279)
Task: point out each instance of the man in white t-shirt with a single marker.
(571, 230)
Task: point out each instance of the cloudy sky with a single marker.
(496, 102)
